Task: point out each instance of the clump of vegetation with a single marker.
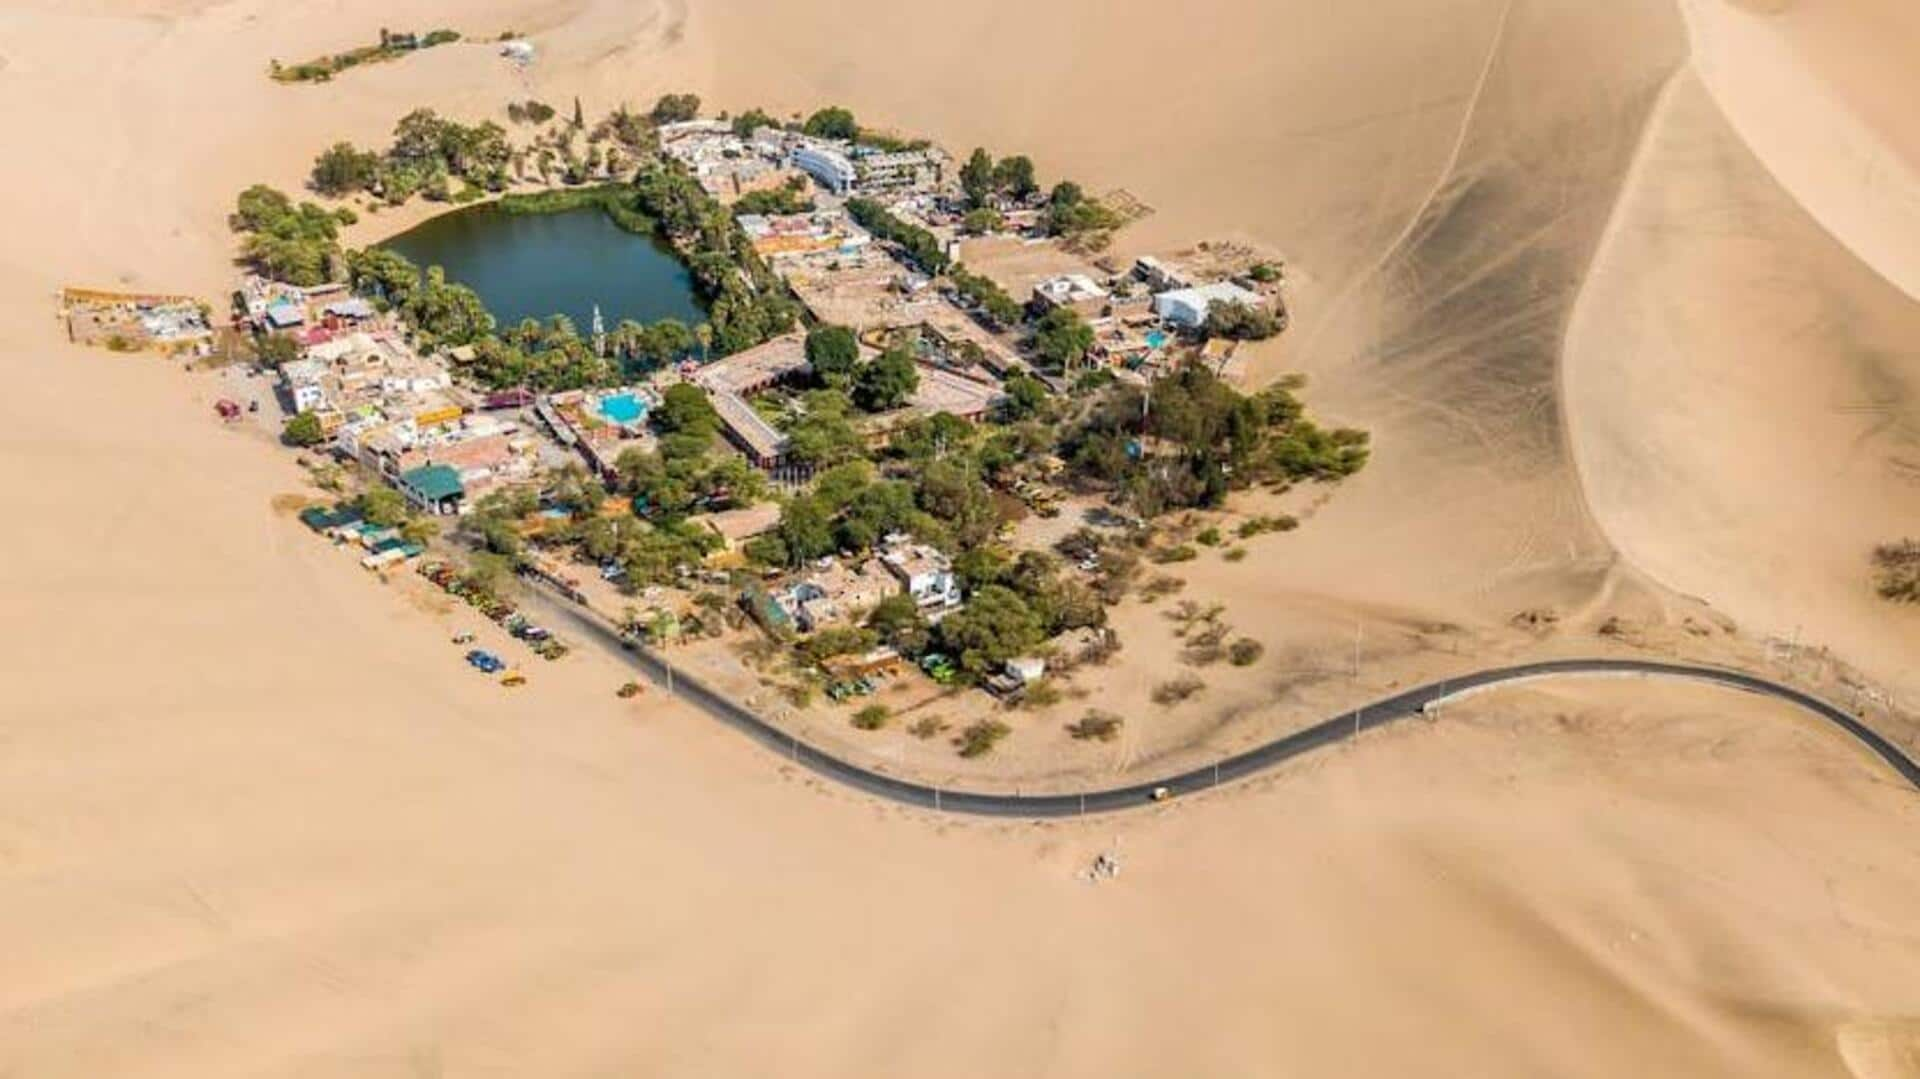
(530, 111)
(872, 717)
(298, 244)
(985, 293)
(1096, 726)
(1257, 525)
(1081, 221)
(1160, 587)
(832, 122)
(1897, 571)
(675, 108)
(927, 727)
(427, 154)
(789, 198)
(1200, 439)
(1235, 554)
(391, 45)
(978, 739)
(1239, 321)
(303, 430)
(1044, 693)
(921, 247)
(1178, 690)
(1208, 537)
(1177, 553)
(1245, 652)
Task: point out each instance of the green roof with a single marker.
(433, 483)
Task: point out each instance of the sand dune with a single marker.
(258, 821)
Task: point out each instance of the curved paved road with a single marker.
(1405, 705)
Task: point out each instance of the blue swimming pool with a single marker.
(1156, 339)
(623, 408)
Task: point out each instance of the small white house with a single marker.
(925, 572)
(1188, 307)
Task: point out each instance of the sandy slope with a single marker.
(258, 821)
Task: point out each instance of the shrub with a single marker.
(979, 738)
(1096, 726)
(872, 717)
(926, 727)
(1236, 554)
(303, 430)
(1897, 568)
(1160, 587)
(1245, 652)
(1180, 553)
(1209, 537)
(1180, 689)
(1041, 694)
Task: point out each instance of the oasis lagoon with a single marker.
(536, 265)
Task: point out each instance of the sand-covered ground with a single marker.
(1627, 344)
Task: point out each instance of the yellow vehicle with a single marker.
(513, 678)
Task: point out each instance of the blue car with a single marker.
(485, 662)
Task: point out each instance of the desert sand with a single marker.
(1616, 353)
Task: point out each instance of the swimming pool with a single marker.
(1156, 339)
(623, 408)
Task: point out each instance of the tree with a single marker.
(980, 221)
(887, 382)
(676, 108)
(833, 352)
(900, 625)
(931, 437)
(580, 116)
(1065, 193)
(745, 124)
(996, 625)
(342, 170)
(303, 430)
(1026, 397)
(832, 122)
(806, 529)
(382, 506)
(685, 409)
(976, 177)
(420, 531)
(383, 274)
(448, 312)
(275, 349)
(1014, 175)
(1240, 321)
(1063, 338)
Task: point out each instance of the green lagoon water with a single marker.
(540, 264)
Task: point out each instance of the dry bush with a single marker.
(1160, 587)
(872, 717)
(1096, 726)
(979, 738)
(1180, 689)
(1246, 652)
(1897, 571)
(926, 727)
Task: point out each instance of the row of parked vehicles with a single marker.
(539, 638)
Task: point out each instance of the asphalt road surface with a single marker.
(1411, 704)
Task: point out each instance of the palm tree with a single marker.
(704, 332)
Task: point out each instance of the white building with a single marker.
(1189, 306)
(924, 571)
(826, 165)
(1072, 290)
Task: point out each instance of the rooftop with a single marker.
(757, 367)
(433, 482)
